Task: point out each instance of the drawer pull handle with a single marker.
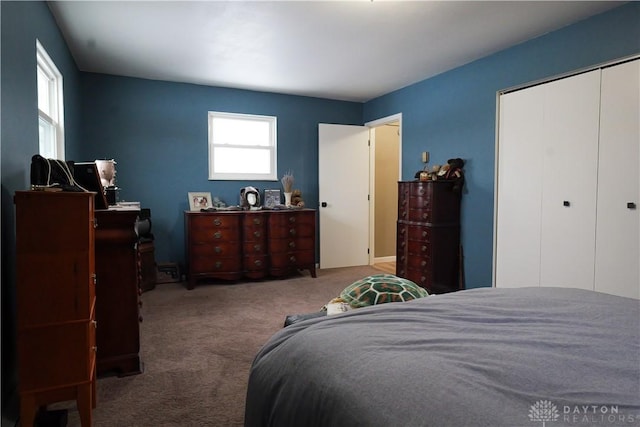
(217, 222)
(257, 234)
(292, 245)
(257, 221)
(292, 259)
(292, 231)
(566, 203)
(258, 263)
(217, 235)
(95, 278)
(631, 205)
(257, 248)
(217, 249)
(292, 219)
(218, 264)
(425, 234)
(94, 348)
(95, 324)
(424, 248)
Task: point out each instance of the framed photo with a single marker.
(199, 201)
(271, 198)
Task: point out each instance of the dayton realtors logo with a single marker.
(545, 411)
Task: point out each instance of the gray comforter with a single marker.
(481, 357)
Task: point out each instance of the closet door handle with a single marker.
(631, 205)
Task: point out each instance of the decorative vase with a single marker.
(287, 199)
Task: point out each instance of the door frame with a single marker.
(372, 172)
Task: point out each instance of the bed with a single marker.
(480, 357)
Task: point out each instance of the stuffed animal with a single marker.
(296, 199)
(455, 173)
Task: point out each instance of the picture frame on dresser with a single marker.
(199, 200)
(271, 198)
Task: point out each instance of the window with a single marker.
(50, 106)
(242, 147)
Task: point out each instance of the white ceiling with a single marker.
(345, 50)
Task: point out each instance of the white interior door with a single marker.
(617, 269)
(343, 177)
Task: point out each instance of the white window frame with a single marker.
(53, 119)
(272, 148)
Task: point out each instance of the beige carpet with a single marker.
(197, 347)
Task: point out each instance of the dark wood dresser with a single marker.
(230, 245)
(118, 293)
(56, 301)
(428, 235)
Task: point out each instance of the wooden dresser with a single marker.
(428, 235)
(231, 245)
(118, 293)
(56, 301)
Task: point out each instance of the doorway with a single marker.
(385, 173)
(348, 217)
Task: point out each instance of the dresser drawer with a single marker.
(419, 233)
(206, 264)
(419, 277)
(292, 259)
(220, 249)
(418, 249)
(418, 215)
(291, 231)
(254, 234)
(200, 223)
(213, 235)
(255, 262)
(287, 218)
(254, 248)
(290, 245)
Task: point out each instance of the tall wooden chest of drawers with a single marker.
(428, 235)
(56, 301)
(231, 245)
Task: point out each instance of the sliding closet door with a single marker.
(519, 188)
(618, 231)
(569, 180)
(546, 184)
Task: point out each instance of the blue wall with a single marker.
(454, 114)
(157, 133)
(22, 23)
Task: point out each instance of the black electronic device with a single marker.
(86, 175)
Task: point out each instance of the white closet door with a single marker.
(569, 181)
(618, 232)
(519, 188)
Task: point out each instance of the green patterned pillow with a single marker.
(379, 289)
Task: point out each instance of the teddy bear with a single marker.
(455, 173)
(296, 198)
